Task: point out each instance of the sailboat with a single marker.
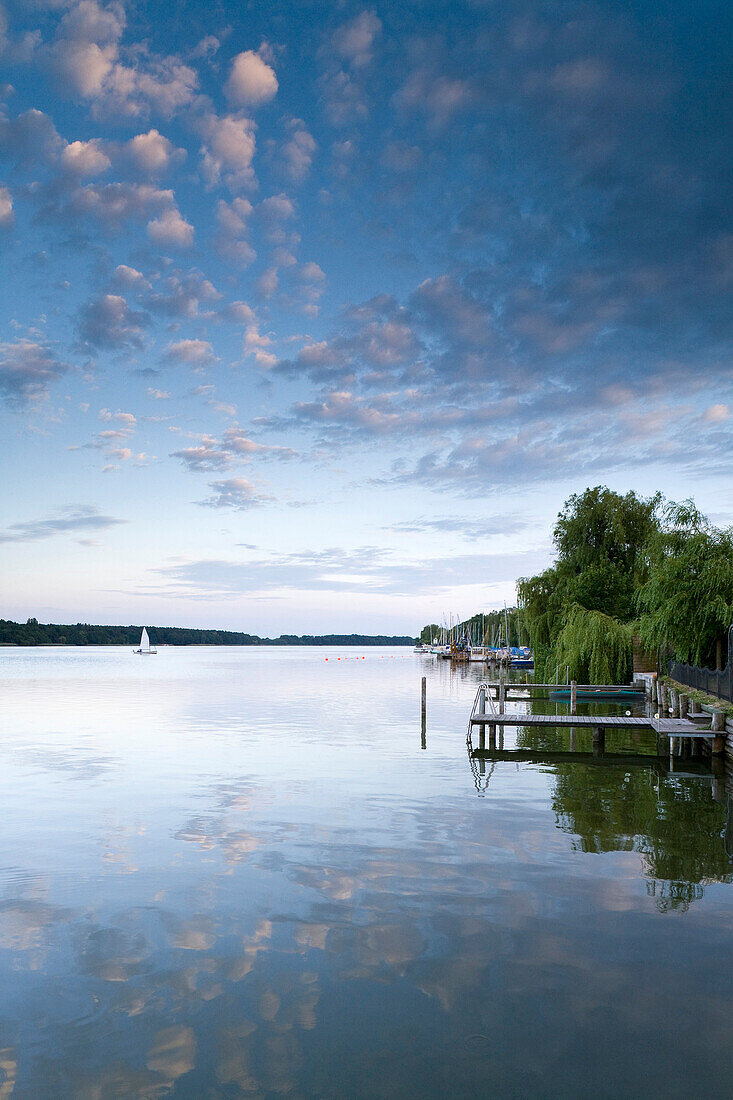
(145, 646)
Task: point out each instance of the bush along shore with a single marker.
(33, 633)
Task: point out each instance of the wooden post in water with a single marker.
(573, 697)
(599, 740)
(492, 738)
(423, 713)
(674, 705)
(717, 726)
(502, 694)
(684, 704)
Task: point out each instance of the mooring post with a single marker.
(502, 694)
(717, 726)
(674, 705)
(482, 738)
(492, 738)
(423, 713)
(683, 701)
(482, 700)
(573, 697)
(599, 740)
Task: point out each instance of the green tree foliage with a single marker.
(34, 633)
(601, 539)
(686, 602)
(593, 648)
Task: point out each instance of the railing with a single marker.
(482, 698)
(710, 680)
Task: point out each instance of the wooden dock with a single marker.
(487, 717)
(670, 727)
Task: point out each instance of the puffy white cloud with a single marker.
(7, 215)
(235, 492)
(182, 294)
(86, 58)
(228, 150)
(152, 152)
(109, 204)
(85, 158)
(298, 152)
(196, 352)
(30, 139)
(268, 282)
(231, 243)
(354, 40)
(251, 81)
(108, 322)
(125, 276)
(171, 230)
(240, 313)
(83, 66)
(27, 370)
(206, 455)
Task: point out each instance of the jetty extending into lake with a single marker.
(488, 714)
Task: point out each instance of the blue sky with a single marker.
(314, 315)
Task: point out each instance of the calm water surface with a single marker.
(235, 872)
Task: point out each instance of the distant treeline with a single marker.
(34, 633)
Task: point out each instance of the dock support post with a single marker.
(502, 694)
(482, 738)
(684, 704)
(423, 713)
(674, 704)
(492, 738)
(599, 740)
(717, 727)
(573, 697)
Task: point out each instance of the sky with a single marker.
(313, 315)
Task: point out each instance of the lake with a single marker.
(234, 872)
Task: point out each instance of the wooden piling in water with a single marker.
(717, 727)
(573, 697)
(423, 712)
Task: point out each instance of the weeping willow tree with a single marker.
(593, 648)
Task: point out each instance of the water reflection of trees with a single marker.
(674, 823)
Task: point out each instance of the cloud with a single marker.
(196, 352)
(7, 215)
(470, 528)
(182, 294)
(88, 60)
(108, 205)
(171, 230)
(227, 151)
(153, 153)
(130, 278)
(354, 40)
(69, 520)
(360, 570)
(251, 81)
(27, 370)
(235, 492)
(205, 456)
(231, 241)
(298, 151)
(108, 322)
(346, 56)
(85, 158)
(30, 139)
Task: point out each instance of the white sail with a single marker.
(144, 642)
